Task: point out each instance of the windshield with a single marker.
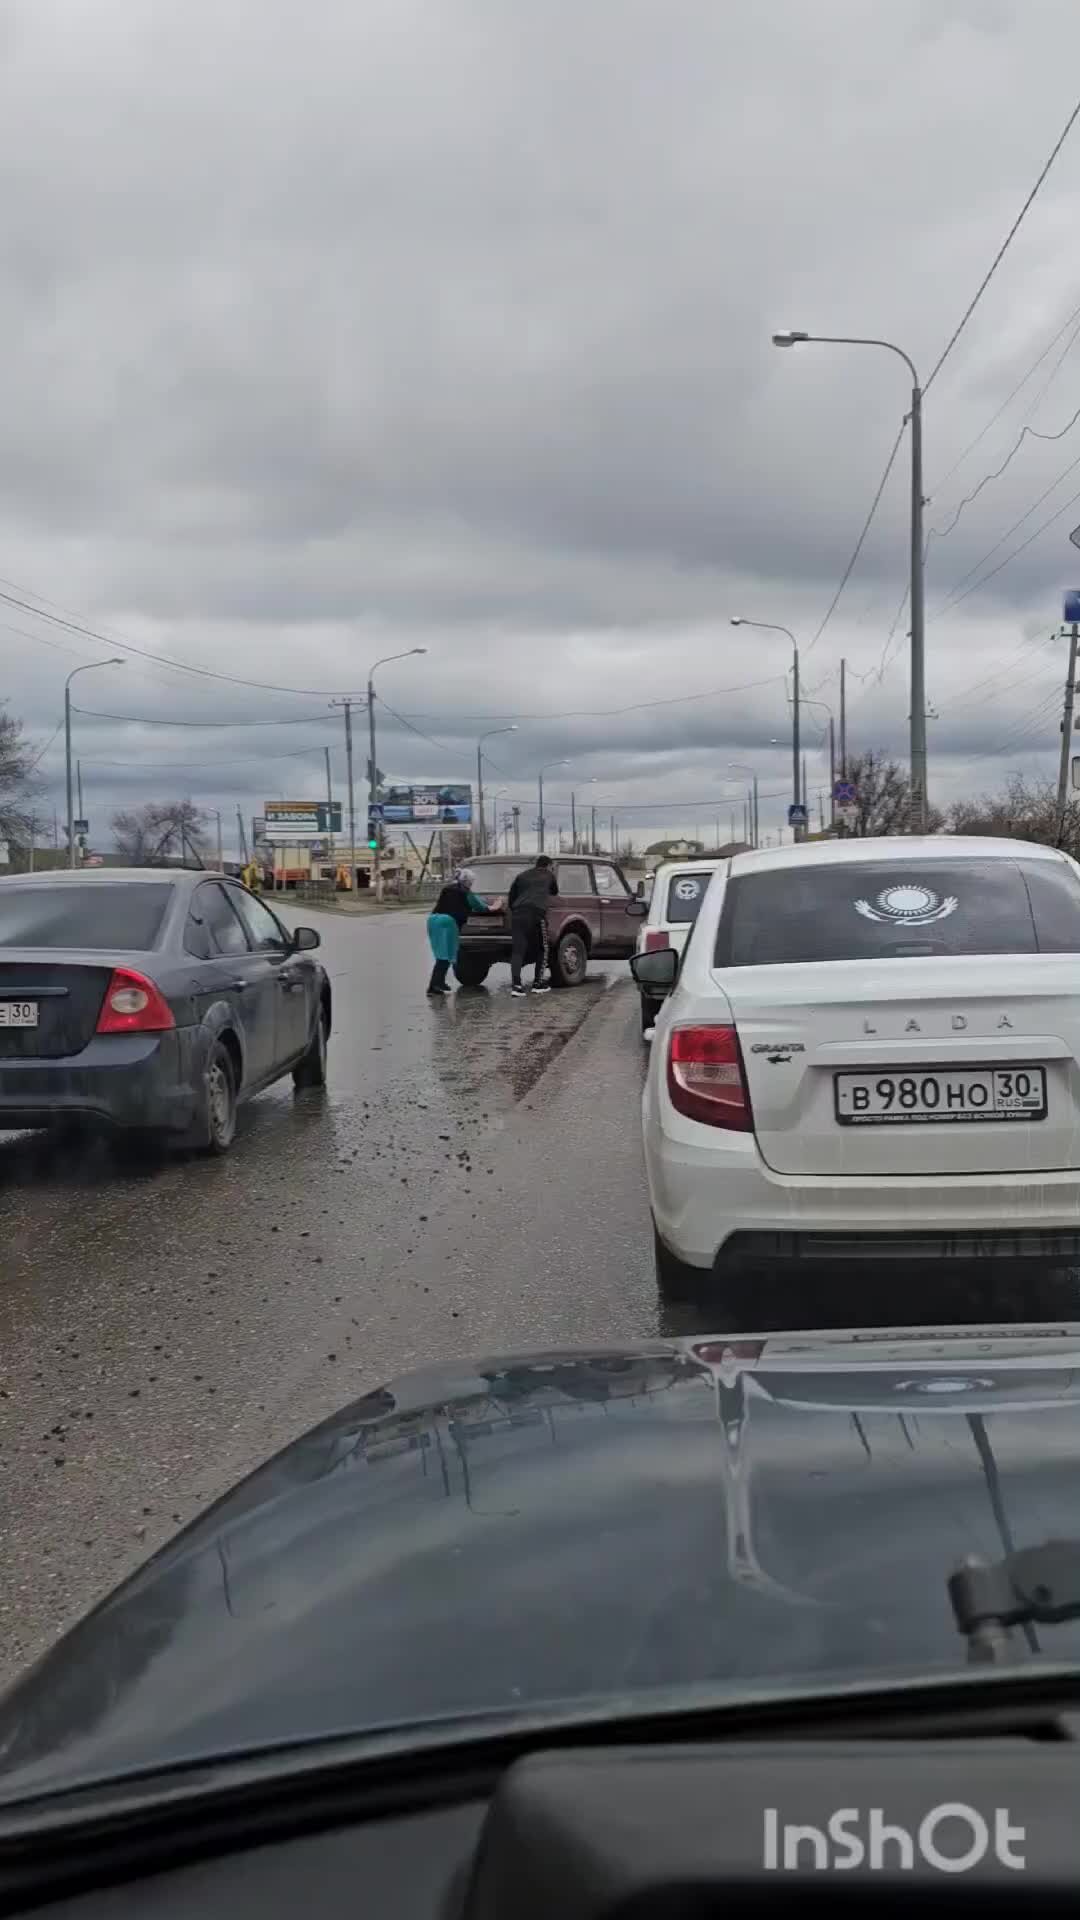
(883, 911)
(96, 917)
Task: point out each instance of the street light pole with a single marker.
(480, 824)
(373, 771)
(115, 661)
(768, 626)
(540, 778)
(740, 766)
(792, 338)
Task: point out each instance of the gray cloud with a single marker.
(329, 334)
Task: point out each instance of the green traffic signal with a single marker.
(373, 846)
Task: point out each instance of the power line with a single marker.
(1010, 557)
(1003, 249)
(848, 570)
(1007, 535)
(161, 659)
(942, 533)
(146, 720)
(1007, 402)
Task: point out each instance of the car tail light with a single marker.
(655, 942)
(133, 1004)
(705, 1078)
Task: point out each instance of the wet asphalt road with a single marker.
(163, 1329)
(471, 1181)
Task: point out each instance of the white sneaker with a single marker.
(518, 992)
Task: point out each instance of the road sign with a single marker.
(1075, 536)
(1072, 604)
(846, 816)
(796, 815)
(844, 793)
(377, 812)
(82, 826)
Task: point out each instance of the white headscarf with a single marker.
(466, 878)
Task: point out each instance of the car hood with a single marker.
(498, 1536)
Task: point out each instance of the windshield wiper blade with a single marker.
(1032, 1586)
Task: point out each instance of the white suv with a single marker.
(679, 888)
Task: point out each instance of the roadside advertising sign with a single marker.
(415, 803)
(289, 820)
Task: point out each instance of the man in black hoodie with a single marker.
(528, 901)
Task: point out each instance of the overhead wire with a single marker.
(867, 523)
(1011, 396)
(1003, 249)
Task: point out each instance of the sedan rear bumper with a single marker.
(128, 1080)
(717, 1205)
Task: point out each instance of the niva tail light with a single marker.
(655, 942)
(706, 1080)
(133, 1004)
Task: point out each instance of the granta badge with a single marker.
(908, 904)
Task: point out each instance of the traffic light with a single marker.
(374, 831)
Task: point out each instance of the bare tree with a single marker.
(1024, 810)
(159, 830)
(883, 802)
(16, 784)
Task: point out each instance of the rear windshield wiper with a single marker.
(1034, 1586)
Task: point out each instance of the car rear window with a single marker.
(124, 918)
(879, 910)
(498, 877)
(685, 893)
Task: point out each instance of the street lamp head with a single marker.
(736, 620)
(788, 337)
(116, 661)
(413, 650)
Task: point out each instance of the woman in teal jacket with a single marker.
(451, 910)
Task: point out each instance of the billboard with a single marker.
(415, 803)
(300, 819)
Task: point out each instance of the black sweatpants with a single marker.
(528, 941)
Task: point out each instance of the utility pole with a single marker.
(821, 810)
(1066, 732)
(516, 814)
(375, 832)
(804, 796)
(347, 706)
(745, 822)
(757, 818)
(330, 806)
(592, 846)
(573, 822)
(832, 772)
(78, 782)
(614, 847)
(843, 719)
(800, 793)
(243, 836)
(918, 635)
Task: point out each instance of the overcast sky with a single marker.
(339, 328)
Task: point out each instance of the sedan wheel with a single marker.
(311, 1070)
(220, 1083)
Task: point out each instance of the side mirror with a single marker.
(637, 909)
(305, 940)
(658, 970)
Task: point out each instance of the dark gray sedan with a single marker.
(153, 1001)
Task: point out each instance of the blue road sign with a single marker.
(796, 815)
(844, 793)
(1072, 605)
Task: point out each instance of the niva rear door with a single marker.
(900, 1019)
